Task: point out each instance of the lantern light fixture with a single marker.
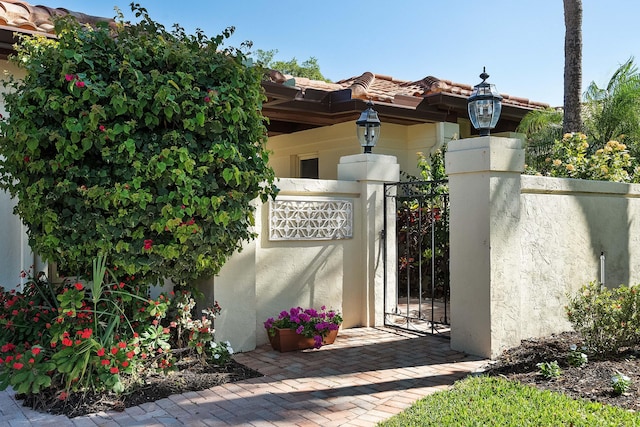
(484, 105)
(368, 128)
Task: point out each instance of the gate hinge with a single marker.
(383, 233)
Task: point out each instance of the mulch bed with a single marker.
(188, 377)
(591, 382)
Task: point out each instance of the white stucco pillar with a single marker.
(484, 180)
(372, 171)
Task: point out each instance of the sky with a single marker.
(520, 42)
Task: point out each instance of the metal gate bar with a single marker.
(421, 251)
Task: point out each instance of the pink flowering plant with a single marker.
(308, 322)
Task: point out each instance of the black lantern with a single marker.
(368, 128)
(484, 105)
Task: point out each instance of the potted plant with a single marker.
(299, 329)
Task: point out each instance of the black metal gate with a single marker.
(416, 295)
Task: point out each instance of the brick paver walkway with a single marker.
(366, 376)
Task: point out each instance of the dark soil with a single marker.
(189, 377)
(591, 381)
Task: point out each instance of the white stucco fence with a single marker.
(295, 262)
(520, 244)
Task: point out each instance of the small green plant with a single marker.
(550, 370)
(605, 318)
(620, 383)
(576, 358)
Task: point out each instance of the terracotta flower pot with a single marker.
(287, 340)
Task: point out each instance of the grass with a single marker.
(492, 401)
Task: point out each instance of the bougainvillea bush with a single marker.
(138, 143)
(99, 336)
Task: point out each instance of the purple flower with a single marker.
(311, 312)
(284, 314)
(317, 341)
(304, 317)
(323, 308)
(269, 323)
(331, 314)
(300, 330)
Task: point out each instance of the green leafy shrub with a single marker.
(135, 142)
(607, 319)
(97, 336)
(570, 157)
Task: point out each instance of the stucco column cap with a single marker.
(485, 154)
(369, 167)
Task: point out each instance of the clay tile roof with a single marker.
(21, 15)
(381, 88)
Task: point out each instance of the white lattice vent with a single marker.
(310, 219)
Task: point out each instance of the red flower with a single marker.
(122, 344)
(27, 159)
(86, 333)
(102, 128)
(125, 364)
(79, 83)
(131, 354)
(100, 352)
(35, 351)
(148, 243)
(69, 77)
(104, 362)
(67, 342)
(78, 286)
(18, 365)
(31, 360)
(114, 370)
(63, 396)
(114, 350)
(207, 99)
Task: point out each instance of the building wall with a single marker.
(331, 143)
(15, 254)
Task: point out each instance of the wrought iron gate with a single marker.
(417, 258)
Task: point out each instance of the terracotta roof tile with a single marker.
(24, 16)
(378, 87)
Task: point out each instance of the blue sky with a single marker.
(521, 42)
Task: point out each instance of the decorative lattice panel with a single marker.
(310, 219)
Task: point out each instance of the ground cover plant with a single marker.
(493, 401)
(60, 342)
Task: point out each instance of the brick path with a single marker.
(366, 376)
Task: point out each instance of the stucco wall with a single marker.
(521, 244)
(331, 143)
(15, 254)
(270, 276)
(567, 224)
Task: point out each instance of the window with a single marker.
(309, 168)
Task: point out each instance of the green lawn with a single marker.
(492, 401)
